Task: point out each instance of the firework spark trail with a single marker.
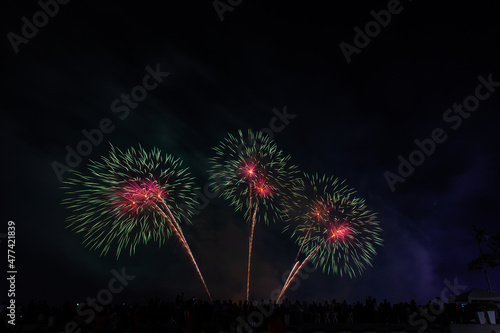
(318, 215)
(255, 176)
(303, 241)
(297, 257)
(335, 229)
(337, 221)
(289, 274)
(182, 239)
(285, 287)
(250, 240)
(117, 201)
(250, 243)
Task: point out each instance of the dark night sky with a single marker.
(352, 121)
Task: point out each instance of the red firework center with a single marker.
(137, 196)
(340, 232)
(262, 187)
(249, 170)
(256, 180)
(321, 210)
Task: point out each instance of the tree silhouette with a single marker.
(489, 259)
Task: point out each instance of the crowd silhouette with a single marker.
(193, 315)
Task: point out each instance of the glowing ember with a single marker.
(321, 210)
(249, 170)
(263, 189)
(341, 232)
(138, 196)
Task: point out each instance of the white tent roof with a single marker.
(476, 295)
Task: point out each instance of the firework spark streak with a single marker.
(294, 273)
(180, 235)
(334, 229)
(256, 177)
(120, 200)
(250, 244)
(287, 282)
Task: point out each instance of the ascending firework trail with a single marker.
(335, 229)
(129, 198)
(256, 177)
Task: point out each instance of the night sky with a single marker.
(349, 116)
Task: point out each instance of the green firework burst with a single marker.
(335, 227)
(117, 201)
(249, 170)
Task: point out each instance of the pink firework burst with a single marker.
(321, 209)
(140, 196)
(340, 232)
(256, 179)
(249, 170)
(262, 187)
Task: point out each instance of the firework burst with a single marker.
(335, 230)
(256, 177)
(130, 198)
